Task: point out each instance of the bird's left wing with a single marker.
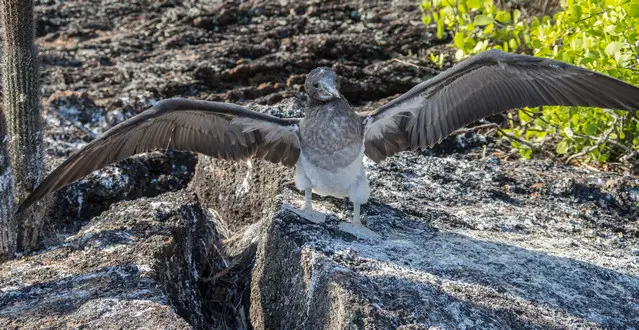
(486, 84)
(221, 130)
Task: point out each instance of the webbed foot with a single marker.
(311, 215)
(359, 231)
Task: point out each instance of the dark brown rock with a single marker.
(118, 53)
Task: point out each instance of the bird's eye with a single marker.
(316, 85)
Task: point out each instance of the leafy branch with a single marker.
(601, 35)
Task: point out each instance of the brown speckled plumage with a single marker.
(331, 134)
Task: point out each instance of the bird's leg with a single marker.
(357, 215)
(308, 194)
(356, 227)
(307, 211)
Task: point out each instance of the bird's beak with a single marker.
(331, 90)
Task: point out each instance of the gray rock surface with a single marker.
(471, 239)
(468, 242)
(134, 266)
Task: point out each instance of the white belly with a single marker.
(349, 181)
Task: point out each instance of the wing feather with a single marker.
(483, 85)
(217, 129)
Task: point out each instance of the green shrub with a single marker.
(599, 35)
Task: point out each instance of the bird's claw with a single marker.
(359, 231)
(311, 215)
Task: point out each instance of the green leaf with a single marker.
(632, 9)
(562, 147)
(440, 28)
(480, 46)
(447, 11)
(590, 129)
(576, 43)
(613, 47)
(459, 40)
(482, 20)
(523, 116)
(474, 4)
(489, 28)
(469, 43)
(492, 9)
(525, 152)
(623, 59)
(575, 11)
(516, 15)
(535, 22)
(503, 17)
(585, 60)
(512, 43)
(575, 121)
(536, 43)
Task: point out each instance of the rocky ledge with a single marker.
(453, 257)
(134, 266)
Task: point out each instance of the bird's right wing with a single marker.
(486, 84)
(221, 130)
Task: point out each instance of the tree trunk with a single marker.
(7, 222)
(22, 111)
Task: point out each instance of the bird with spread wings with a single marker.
(327, 146)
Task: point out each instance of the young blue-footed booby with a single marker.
(327, 146)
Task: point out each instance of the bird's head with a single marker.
(322, 84)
